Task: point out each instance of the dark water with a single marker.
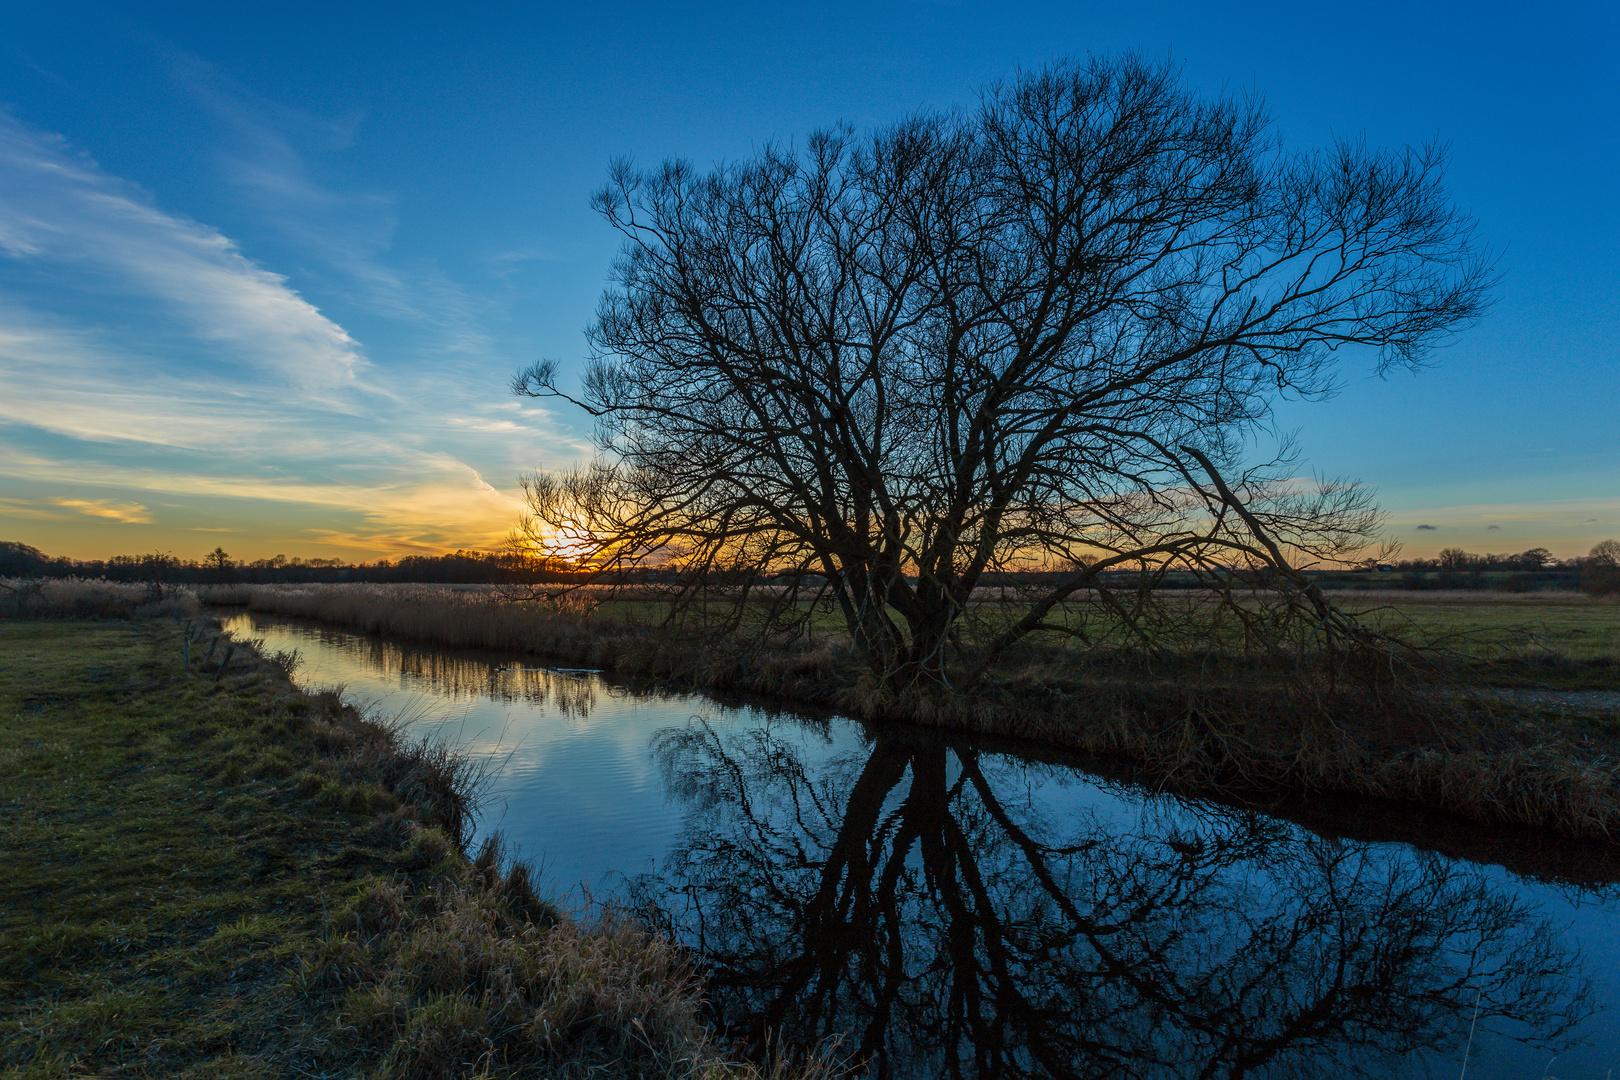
(950, 908)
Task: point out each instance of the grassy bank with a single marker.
(1437, 745)
(226, 877)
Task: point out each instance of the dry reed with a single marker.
(79, 598)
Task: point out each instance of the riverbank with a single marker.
(1444, 746)
(212, 873)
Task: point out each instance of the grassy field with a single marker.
(1569, 624)
(1478, 622)
(1560, 641)
(230, 878)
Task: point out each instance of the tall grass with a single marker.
(620, 641)
(79, 598)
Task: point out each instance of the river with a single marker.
(946, 907)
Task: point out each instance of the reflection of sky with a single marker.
(575, 786)
(577, 791)
(1050, 795)
(1594, 923)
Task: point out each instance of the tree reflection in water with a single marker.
(918, 903)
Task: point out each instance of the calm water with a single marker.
(945, 908)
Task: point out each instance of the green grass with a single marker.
(1581, 629)
(155, 885)
(232, 878)
(1560, 642)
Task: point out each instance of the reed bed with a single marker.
(1186, 724)
(80, 598)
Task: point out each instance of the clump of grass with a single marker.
(231, 877)
(224, 595)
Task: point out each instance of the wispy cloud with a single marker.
(125, 513)
(29, 510)
(347, 231)
(429, 499)
(59, 207)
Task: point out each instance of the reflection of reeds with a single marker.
(1194, 721)
(468, 675)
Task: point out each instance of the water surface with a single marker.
(943, 907)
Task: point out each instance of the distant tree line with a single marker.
(1598, 572)
(1454, 558)
(217, 567)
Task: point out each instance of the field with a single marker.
(1569, 624)
(1557, 641)
(1561, 640)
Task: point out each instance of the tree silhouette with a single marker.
(1039, 333)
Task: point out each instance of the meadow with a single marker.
(1571, 625)
(1563, 639)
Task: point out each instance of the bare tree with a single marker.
(1600, 570)
(1454, 558)
(1041, 334)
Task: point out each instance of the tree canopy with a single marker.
(1039, 333)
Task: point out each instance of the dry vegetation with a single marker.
(210, 877)
(1187, 719)
(77, 598)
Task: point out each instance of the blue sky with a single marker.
(265, 270)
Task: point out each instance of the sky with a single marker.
(266, 270)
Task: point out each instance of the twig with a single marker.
(1470, 1048)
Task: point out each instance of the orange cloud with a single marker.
(125, 513)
